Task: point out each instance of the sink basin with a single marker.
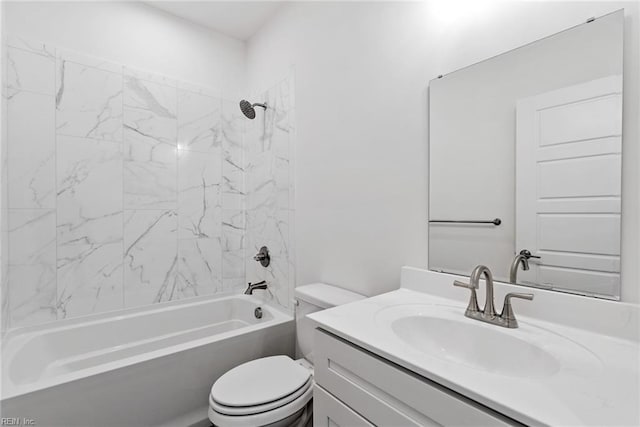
(480, 348)
(443, 333)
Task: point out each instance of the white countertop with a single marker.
(606, 394)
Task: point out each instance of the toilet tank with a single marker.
(311, 298)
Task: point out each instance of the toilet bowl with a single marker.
(276, 391)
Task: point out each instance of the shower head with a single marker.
(247, 108)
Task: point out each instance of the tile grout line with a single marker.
(55, 179)
(243, 205)
(220, 192)
(5, 135)
(177, 203)
(122, 168)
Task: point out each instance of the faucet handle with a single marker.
(507, 315)
(472, 307)
(460, 284)
(527, 254)
(510, 295)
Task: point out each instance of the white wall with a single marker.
(361, 131)
(362, 72)
(135, 34)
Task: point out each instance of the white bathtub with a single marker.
(139, 367)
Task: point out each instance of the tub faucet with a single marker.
(507, 318)
(253, 286)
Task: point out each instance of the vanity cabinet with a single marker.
(330, 412)
(357, 388)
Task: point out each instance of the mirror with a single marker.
(525, 157)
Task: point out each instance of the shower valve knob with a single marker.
(263, 256)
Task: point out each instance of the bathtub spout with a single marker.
(253, 286)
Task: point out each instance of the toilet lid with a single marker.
(289, 400)
(260, 381)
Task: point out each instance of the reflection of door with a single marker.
(568, 184)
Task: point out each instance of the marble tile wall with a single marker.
(233, 197)
(31, 183)
(126, 188)
(269, 145)
(4, 223)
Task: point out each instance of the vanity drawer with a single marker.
(388, 395)
(330, 412)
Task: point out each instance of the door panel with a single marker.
(568, 186)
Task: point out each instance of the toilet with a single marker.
(276, 391)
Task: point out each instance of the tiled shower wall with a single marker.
(269, 181)
(123, 188)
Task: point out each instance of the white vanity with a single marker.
(411, 358)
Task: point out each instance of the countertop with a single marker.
(605, 392)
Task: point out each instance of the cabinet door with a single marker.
(330, 412)
(388, 395)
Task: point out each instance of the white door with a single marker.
(568, 186)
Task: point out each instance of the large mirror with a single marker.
(525, 163)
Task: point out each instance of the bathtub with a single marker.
(135, 367)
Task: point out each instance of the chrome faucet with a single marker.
(505, 319)
(522, 258)
(253, 286)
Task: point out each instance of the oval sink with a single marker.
(478, 347)
(443, 332)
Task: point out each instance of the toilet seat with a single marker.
(260, 392)
(250, 410)
(259, 381)
(264, 418)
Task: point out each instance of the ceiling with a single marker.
(238, 19)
